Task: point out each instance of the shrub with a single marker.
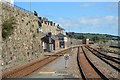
(34, 35)
(37, 30)
(8, 27)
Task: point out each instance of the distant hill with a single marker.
(93, 36)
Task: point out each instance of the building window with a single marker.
(61, 38)
(40, 29)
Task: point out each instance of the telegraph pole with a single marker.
(30, 5)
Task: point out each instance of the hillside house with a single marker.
(50, 43)
(62, 40)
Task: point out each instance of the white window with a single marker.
(44, 45)
(65, 38)
(40, 29)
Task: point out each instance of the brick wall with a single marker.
(57, 45)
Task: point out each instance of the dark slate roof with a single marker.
(60, 28)
(60, 35)
(46, 39)
(54, 38)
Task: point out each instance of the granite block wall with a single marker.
(24, 43)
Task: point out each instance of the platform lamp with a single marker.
(30, 6)
(72, 36)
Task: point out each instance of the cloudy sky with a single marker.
(83, 17)
(67, 0)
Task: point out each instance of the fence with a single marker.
(8, 3)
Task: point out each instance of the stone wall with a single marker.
(74, 42)
(0, 39)
(24, 44)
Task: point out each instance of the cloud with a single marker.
(87, 5)
(106, 24)
(106, 20)
(111, 7)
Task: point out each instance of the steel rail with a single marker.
(110, 51)
(12, 74)
(80, 67)
(107, 56)
(94, 67)
(114, 67)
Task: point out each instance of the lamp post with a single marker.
(30, 6)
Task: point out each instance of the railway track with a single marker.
(117, 60)
(112, 61)
(107, 51)
(32, 67)
(87, 68)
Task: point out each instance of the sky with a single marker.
(80, 17)
(67, 0)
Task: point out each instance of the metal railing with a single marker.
(15, 6)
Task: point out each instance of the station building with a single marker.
(50, 43)
(62, 40)
(55, 36)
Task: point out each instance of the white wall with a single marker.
(65, 39)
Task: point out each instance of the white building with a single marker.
(8, 1)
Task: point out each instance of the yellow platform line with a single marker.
(47, 72)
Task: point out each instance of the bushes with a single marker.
(8, 27)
